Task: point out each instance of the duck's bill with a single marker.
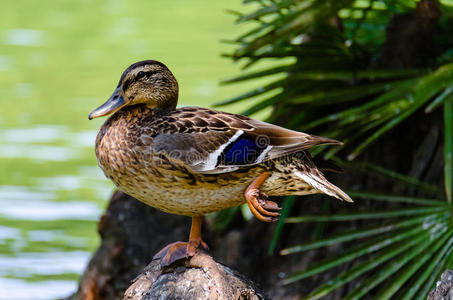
(115, 102)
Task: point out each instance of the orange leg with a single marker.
(180, 250)
(260, 207)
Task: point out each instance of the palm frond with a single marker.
(286, 208)
(448, 153)
(324, 74)
(395, 252)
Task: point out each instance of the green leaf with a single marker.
(372, 74)
(357, 234)
(391, 198)
(253, 93)
(374, 169)
(233, 12)
(351, 114)
(356, 252)
(446, 94)
(297, 21)
(428, 270)
(323, 97)
(272, 71)
(265, 10)
(263, 104)
(223, 218)
(407, 272)
(421, 93)
(389, 125)
(366, 215)
(365, 266)
(448, 152)
(435, 275)
(391, 268)
(286, 208)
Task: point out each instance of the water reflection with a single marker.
(8, 233)
(57, 63)
(25, 290)
(24, 37)
(38, 152)
(36, 134)
(6, 62)
(54, 263)
(32, 209)
(52, 215)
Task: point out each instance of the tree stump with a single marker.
(199, 277)
(444, 287)
(132, 233)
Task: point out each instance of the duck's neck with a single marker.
(142, 110)
(169, 103)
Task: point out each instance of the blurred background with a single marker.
(58, 61)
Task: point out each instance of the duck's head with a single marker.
(147, 82)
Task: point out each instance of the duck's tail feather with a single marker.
(317, 181)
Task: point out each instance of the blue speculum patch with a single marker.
(243, 151)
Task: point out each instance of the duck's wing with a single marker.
(210, 141)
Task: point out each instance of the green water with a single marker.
(58, 61)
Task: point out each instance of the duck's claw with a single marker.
(267, 204)
(261, 208)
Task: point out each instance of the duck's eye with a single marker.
(142, 74)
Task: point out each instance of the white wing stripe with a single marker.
(263, 154)
(211, 161)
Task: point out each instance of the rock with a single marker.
(199, 277)
(444, 287)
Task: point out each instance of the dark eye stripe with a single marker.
(140, 74)
(143, 74)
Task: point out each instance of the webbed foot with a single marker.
(180, 250)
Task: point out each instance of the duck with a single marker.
(193, 161)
